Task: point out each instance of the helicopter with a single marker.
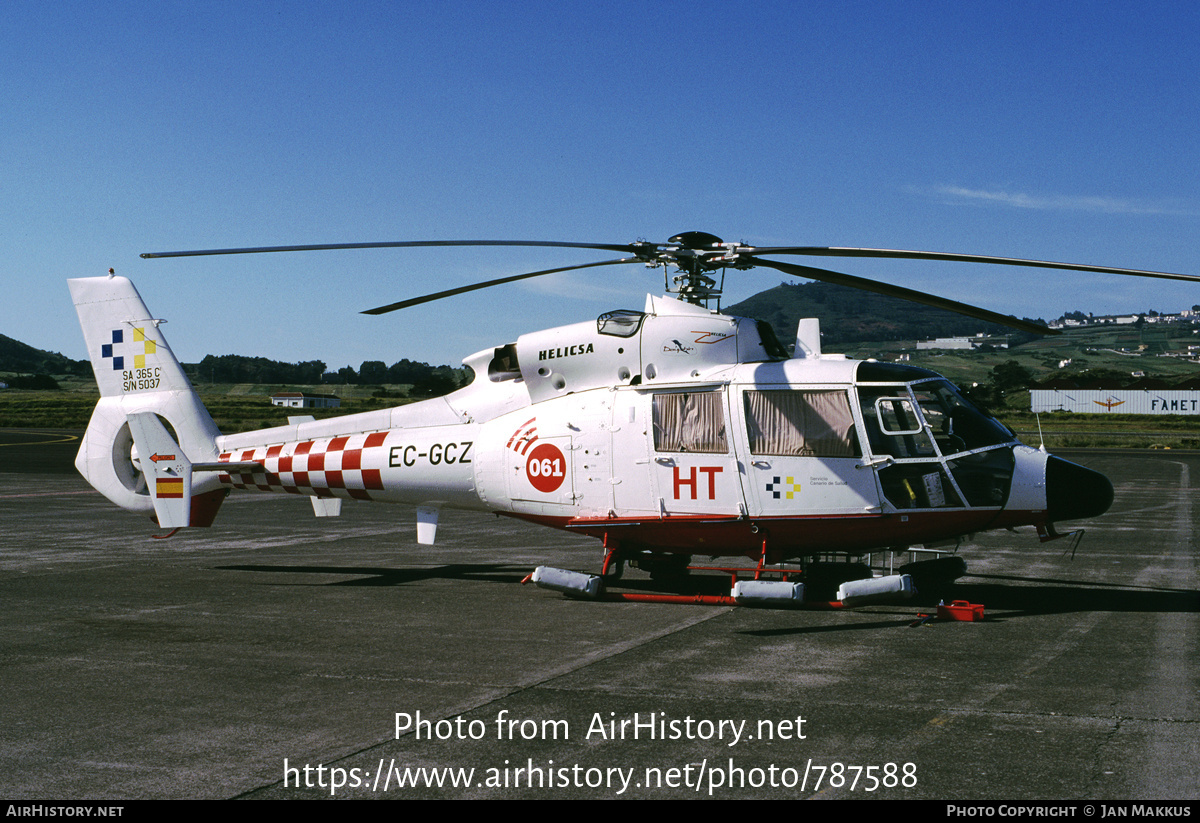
(667, 432)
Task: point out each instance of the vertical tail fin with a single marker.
(137, 374)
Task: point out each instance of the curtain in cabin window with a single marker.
(805, 423)
(689, 422)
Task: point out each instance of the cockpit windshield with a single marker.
(957, 425)
(894, 426)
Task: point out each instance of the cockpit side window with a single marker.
(906, 421)
(798, 422)
(891, 423)
(690, 422)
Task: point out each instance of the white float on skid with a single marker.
(667, 432)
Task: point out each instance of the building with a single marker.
(300, 400)
(1115, 401)
(945, 343)
(964, 342)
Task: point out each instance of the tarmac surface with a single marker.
(221, 663)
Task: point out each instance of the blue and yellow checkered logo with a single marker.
(780, 488)
(141, 346)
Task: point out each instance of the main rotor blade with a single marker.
(416, 301)
(827, 276)
(902, 254)
(404, 244)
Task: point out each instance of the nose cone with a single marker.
(1073, 492)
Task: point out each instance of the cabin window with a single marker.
(804, 423)
(689, 422)
(620, 323)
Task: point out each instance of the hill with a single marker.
(18, 357)
(852, 316)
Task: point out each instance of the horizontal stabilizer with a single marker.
(247, 467)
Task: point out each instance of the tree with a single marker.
(1004, 378)
(1010, 375)
(436, 382)
(407, 371)
(373, 372)
(33, 381)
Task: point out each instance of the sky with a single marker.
(1057, 131)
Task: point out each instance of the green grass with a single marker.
(69, 408)
(242, 408)
(234, 407)
(1128, 431)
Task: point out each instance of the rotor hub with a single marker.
(696, 252)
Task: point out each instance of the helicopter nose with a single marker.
(1073, 492)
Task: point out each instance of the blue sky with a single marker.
(1059, 131)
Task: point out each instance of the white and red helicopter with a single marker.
(666, 433)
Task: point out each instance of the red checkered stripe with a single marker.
(321, 468)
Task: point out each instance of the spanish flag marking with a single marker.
(168, 487)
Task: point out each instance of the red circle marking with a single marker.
(546, 468)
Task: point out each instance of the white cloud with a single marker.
(1103, 205)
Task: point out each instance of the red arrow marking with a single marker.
(157, 457)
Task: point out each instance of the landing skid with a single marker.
(762, 586)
